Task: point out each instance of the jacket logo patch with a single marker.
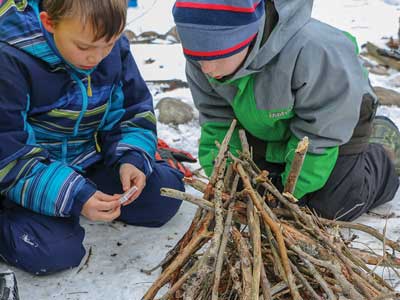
(276, 115)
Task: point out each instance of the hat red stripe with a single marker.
(219, 52)
(217, 7)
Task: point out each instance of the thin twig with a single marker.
(220, 258)
(365, 228)
(86, 263)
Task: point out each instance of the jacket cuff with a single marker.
(139, 159)
(86, 191)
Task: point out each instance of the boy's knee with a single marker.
(47, 259)
(169, 177)
(151, 209)
(168, 207)
(41, 245)
(156, 213)
(339, 209)
(157, 223)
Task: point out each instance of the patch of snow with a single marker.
(169, 61)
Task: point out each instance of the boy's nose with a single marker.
(207, 67)
(93, 59)
(96, 57)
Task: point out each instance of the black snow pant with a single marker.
(358, 182)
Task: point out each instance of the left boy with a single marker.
(77, 130)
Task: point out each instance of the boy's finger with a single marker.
(115, 213)
(142, 180)
(125, 181)
(132, 199)
(108, 205)
(110, 215)
(105, 197)
(140, 183)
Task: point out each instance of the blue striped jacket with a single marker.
(57, 120)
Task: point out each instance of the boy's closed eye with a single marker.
(83, 48)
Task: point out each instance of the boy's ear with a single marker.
(47, 22)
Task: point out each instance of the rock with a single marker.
(174, 111)
(387, 97)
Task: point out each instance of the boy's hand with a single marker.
(102, 207)
(130, 176)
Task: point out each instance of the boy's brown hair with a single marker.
(107, 18)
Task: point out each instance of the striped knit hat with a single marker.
(213, 29)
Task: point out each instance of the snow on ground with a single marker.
(118, 252)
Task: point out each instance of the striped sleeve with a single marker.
(27, 176)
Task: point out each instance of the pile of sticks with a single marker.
(238, 247)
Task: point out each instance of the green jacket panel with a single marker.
(271, 126)
(211, 132)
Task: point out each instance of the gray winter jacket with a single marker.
(304, 79)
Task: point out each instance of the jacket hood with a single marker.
(293, 15)
(22, 29)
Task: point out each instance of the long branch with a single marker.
(254, 226)
(171, 193)
(245, 262)
(184, 277)
(222, 154)
(180, 259)
(220, 257)
(275, 229)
